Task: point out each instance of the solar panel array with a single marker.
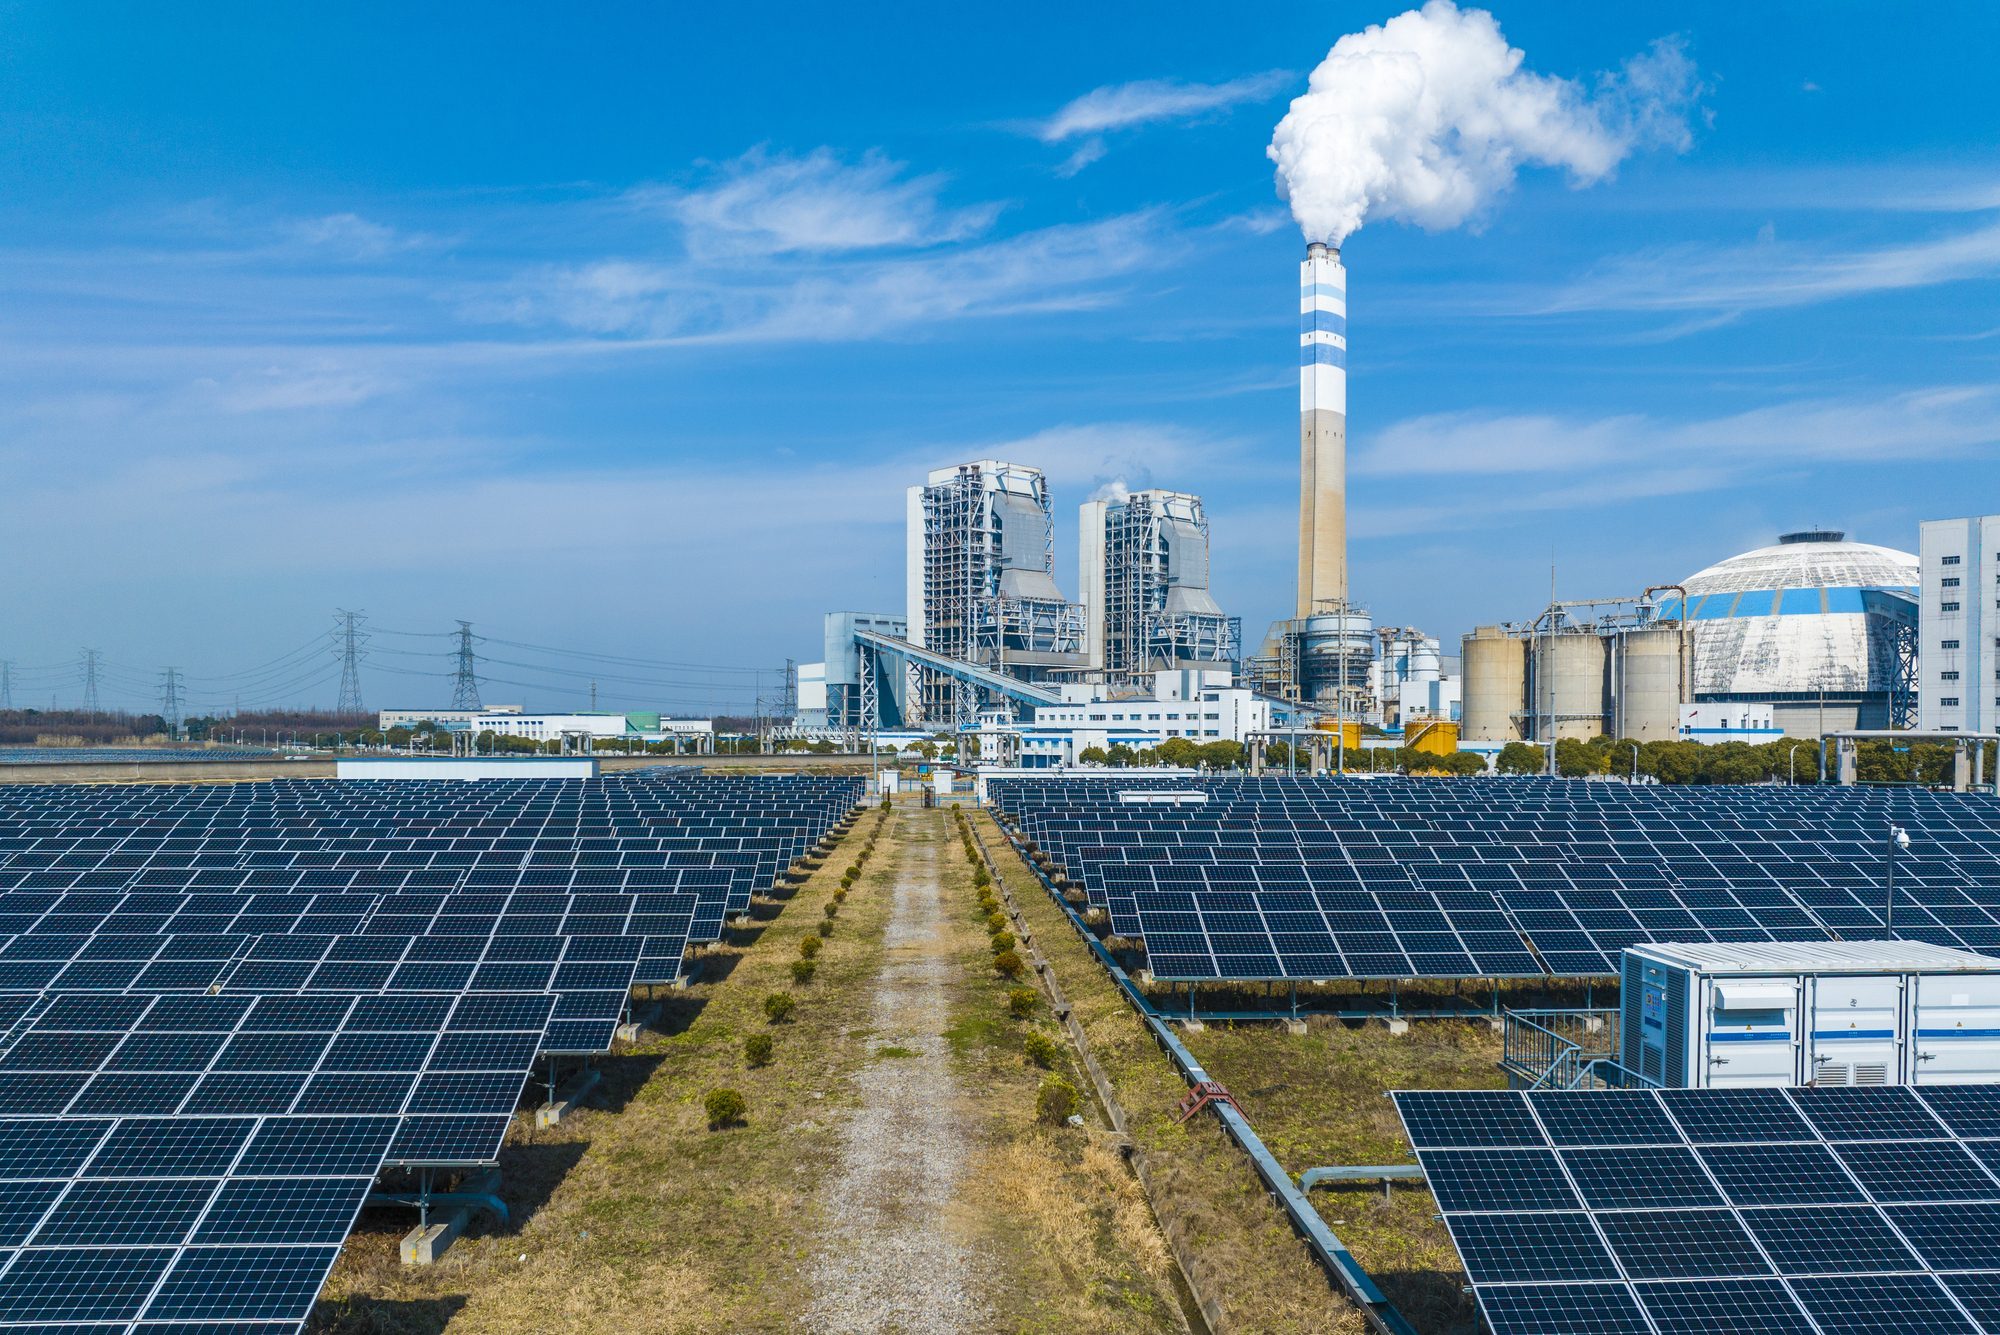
(223, 1011)
(127, 755)
(1642, 1212)
(1296, 878)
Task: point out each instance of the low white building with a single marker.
(450, 718)
(1199, 705)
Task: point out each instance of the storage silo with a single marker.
(1495, 675)
(1569, 686)
(1649, 682)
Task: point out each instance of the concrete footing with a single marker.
(1397, 1028)
(1295, 1026)
(426, 1243)
(567, 1100)
(629, 1031)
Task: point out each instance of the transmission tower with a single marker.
(90, 682)
(170, 700)
(465, 686)
(790, 707)
(6, 683)
(347, 629)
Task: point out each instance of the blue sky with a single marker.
(624, 327)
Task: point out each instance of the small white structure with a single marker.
(1201, 705)
(1719, 1015)
(481, 767)
(1730, 721)
(450, 718)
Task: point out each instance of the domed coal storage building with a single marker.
(1820, 628)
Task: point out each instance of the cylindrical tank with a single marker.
(1424, 656)
(1339, 647)
(1648, 685)
(1494, 669)
(1350, 733)
(1569, 685)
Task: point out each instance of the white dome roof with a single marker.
(1808, 561)
(1794, 618)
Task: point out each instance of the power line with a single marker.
(465, 686)
(352, 641)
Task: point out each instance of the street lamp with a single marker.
(1899, 841)
(1635, 760)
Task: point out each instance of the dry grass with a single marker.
(1055, 1207)
(633, 1215)
(1320, 1098)
(1241, 1251)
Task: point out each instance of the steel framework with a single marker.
(1143, 633)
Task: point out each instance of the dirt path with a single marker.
(889, 1261)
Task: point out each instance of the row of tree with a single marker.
(1787, 760)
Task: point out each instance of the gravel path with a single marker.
(889, 1261)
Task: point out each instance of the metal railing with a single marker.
(1555, 1049)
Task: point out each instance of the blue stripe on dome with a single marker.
(1770, 602)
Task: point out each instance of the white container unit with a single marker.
(1715, 1015)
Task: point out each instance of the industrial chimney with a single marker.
(1322, 431)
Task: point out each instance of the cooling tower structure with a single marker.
(981, 581)
(1144, 579)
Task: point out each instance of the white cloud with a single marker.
(351, 236)
(1938, 421)
(1772, 274)
(817, 203)
(1147, 101)
(1050, 269)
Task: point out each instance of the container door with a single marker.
(1752, 1032)
(1957, 1023)
(1856, 1034)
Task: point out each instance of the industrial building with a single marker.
(1959, 565)
(1822, 629)
(1814, 634)
(1143, 577)
(1322, 655)
(1583, 669)
(408, 718)
(980, 581)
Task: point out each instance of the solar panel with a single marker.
(1854, 1209)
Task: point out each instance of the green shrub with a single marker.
(1041, 1049)
(1001, 941)
(830, 909)
(825, 927)
(980, 878)
(1009, 964)
(810, 946)
(853, 873)
(1056, 1101)
(1021, 1002)
(778, 1007)
(840, 895)
(996, 922)
(757, 1049)
(726, 1107)
(803, 970)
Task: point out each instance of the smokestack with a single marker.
(1322, 429)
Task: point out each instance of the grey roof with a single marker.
(1725, 957)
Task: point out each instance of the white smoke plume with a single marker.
(1428, 117)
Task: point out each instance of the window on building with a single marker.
(1947, 607)
(1948, 560)
(1948, 701)
(1947, 644)
(1947, 676)
(1950, 581)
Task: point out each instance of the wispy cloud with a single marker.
(1125, 106)
(1932, 422)
(1771, 274)
(1049, 269)
(1120, 106)
(816, 203)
